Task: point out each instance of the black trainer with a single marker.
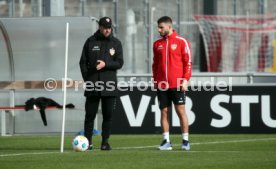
(90, 147)
(105, 146)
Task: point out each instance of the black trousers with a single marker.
(91, 109)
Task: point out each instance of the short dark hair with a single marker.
(164, 19)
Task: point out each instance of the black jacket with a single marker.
(109, 49)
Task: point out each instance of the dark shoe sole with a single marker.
(105, 148)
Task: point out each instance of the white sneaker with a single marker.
(185, 145)
(165, 145)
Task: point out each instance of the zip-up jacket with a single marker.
(109, 49)
(172, 61)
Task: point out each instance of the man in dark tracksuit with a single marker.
(102, 55)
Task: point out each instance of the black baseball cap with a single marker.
(105, 22)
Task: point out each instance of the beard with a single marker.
(165, 33)
(106, 34)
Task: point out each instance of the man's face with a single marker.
(164, 29)
(105, 31)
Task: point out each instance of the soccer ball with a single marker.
(80, 143)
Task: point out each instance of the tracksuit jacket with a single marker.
(104, 81)
(172, 61)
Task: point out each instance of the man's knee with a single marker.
(165, 110)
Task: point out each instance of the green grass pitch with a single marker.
(246, 151)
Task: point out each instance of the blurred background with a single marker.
(135, 21)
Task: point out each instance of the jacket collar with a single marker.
(173, 35)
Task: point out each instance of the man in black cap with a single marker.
(102, 56)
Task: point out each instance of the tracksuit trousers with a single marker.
(91, 109)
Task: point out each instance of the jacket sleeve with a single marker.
(187, 60)
(155, 63)
(118, 61)
(84, 62)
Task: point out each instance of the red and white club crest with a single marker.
(174, 46)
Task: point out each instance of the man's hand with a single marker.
(184, 85)
(100, 64)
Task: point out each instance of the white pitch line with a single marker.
(154, 146)
(192, 151)
(20, 154)
(201, 143)
(139, 147)
(235, 141)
